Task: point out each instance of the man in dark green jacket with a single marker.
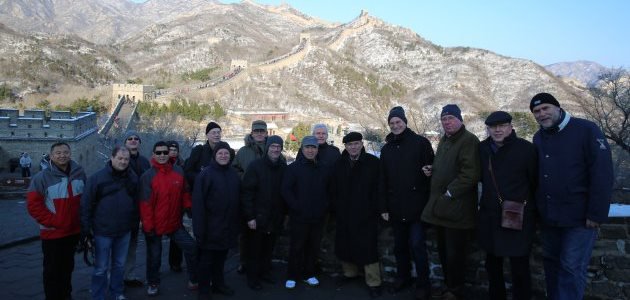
(452, 204)
(254, 147)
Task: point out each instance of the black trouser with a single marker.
(259, 253)
(303, 249)
(211, 264)
(521, 278)
(410, 243)
(453, 248)
(58, 266)
(175, 255)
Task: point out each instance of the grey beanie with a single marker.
(131, 133)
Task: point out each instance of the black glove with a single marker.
(188, 212)
(86, 246)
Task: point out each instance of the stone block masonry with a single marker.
(608, 271)
(34, 132)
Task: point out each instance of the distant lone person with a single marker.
(25, 164)
(44, 162)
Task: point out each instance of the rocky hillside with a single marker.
(354, 71)
(41, 62)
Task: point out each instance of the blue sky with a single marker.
(544, 31)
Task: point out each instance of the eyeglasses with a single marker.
(133, 138)
(173, 149)
(161, 152)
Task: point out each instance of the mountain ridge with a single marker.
(356, 70)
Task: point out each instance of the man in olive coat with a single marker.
(355, 202)
(513, 161)
(452, 205)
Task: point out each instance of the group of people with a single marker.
(563, 182)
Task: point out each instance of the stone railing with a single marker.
(608, 271)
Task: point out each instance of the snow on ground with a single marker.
(619, 210)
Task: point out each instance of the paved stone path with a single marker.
(21, 270)
(16, 224)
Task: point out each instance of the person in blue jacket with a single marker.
(306, 189)
(109, 207)
(573, 197)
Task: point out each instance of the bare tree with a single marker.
(610, 106)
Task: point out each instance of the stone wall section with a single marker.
(34, 132)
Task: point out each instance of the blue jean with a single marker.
(105, 248)
(154, 254)
(566, 254)
(411, 237)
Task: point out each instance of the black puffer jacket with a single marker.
(216, 207)
(404, 190)
(261, 198)
(306, 189)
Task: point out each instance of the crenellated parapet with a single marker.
(133, 92)
(37, 125)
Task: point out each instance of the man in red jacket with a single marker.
(53, 199)
(164, 195)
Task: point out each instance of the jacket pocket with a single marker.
(448, 208)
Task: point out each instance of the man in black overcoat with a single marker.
(355, 202)
(513, 161)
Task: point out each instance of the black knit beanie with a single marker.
(541, 98)
(399, 112)
(212, 125)
(453, 110)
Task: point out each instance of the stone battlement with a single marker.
(133, 92)
(35, 124)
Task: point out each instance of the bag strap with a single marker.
(494, 181)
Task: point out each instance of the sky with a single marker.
(546, 32)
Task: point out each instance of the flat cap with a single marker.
(352, 137)
(498, 117)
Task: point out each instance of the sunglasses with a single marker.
(133, 139)
(161, 152)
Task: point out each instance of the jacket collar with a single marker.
(457, 134)
(167, 167)
(399, 137)
(508, 140)
(74, 169)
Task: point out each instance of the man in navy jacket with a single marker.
(109, 210)
(573, 197)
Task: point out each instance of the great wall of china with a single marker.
(122, 113)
